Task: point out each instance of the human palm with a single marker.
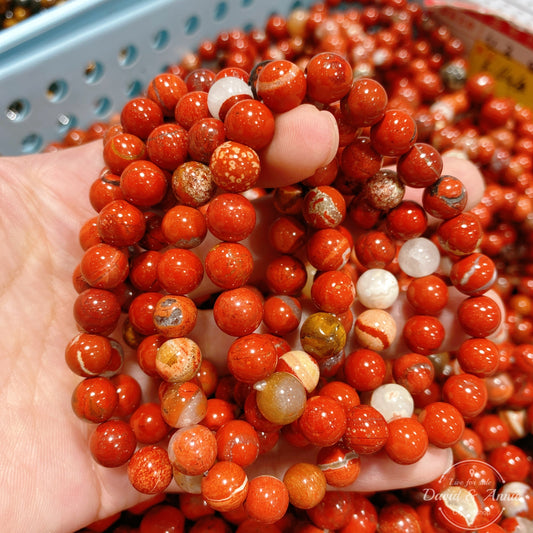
(50, 481)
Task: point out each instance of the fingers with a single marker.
(305, 139)
(378, 472)
(214, 342)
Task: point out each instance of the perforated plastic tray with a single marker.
(79, 62)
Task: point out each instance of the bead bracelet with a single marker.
(182, 165)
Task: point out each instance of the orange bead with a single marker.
(252, 358)
(192, 450)
(225, 486)
(267, 500)
(306, 485)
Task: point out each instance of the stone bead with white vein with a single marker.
(377, 288)
(419, 257)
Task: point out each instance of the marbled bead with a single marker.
(88, 355)
(516, 498)
(178, 359)
(384, 190)
(281, 398)
(322, 335)
(175, 316)
(445, 198)
(104, 266)
(377, 288)
(421, 166)
(282, 314)
(392, 401)
(419, 257)
(328, 249)
(94, 399)
(192, 183)
(324, 207)
(183, 404)
(375, 329)
(474, 274)
(301, 365)
(281, 85)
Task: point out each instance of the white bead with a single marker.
(460, 500)
(377, 288)
(419, 257)
(512, 497)
(523, 525)
(223, 89)
(392, 401)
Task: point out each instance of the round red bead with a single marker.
(149, 470)
(407, 442)
(329, 77)
(323, 421)
(112, 443)
(479, 316)
(366, 430)
(394, 134)
(238, 311)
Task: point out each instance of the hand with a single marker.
(50, 480)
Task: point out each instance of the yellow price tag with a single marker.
(513, 79)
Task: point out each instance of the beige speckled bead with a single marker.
(178, 360)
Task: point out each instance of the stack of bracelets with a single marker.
(314, 356)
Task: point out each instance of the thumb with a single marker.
(305, 139)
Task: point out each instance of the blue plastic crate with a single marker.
(80, 61)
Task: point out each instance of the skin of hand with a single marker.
(50, 481)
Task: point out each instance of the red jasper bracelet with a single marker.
(181, 171)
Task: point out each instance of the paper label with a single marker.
(512, 77)
(497, 47)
